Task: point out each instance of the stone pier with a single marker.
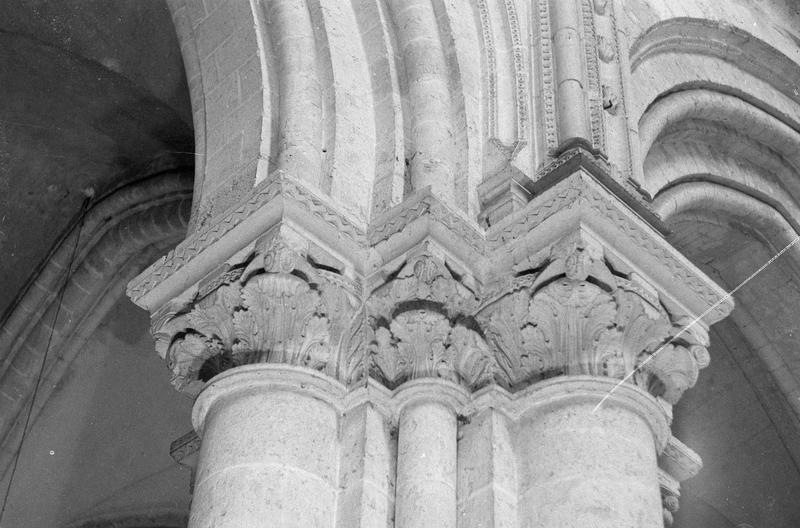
(394, 310)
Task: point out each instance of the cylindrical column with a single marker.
(585, 467)
(427, 451)
(428, 88)
(270, 449)
(573, 120)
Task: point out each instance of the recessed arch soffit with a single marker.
(729, 234)
(697, 201)
(702, 151)
(680, 51)
(715, 103)
(734, 111)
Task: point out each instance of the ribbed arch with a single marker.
(363, 101)
(720, 40)
(733, 112)
(718, 133)
(699, 197)
(700, 150)
(693, 69)
(702, 213)
(120, 235)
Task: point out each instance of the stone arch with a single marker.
(698, 203)
(686, 68)
(724, 109)
(363, 101)
(709, 217)
(717, 203)
(718, 129)
(122, 233)
(282, 89)
(707, 135)
(721, 40)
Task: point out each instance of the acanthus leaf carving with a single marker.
(353, 364)
(277, 312)
(474, 362)
(569, 311)
(643, 326)
(278, 307)
(386, 359)
(423, 343)
(213, 316)
(507, 327)
(571, 318)
(576, 317)
(417, 323)
(421, 337)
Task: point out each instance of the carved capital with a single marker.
(275, 307)
(578, 316)
(571, 309)
(420, 326)
(424, 344)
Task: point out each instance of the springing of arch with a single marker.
(718, 121)
(364, 101)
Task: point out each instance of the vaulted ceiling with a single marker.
(94, 95)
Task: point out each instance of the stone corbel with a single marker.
(278, 305)
(676, 463)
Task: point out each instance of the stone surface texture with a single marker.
(446, 263)
(522, 283)
(454, 278)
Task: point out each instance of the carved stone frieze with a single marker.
(593, 87)
(279, 309)
(547, 77)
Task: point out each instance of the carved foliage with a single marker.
(675, 366)
(422, 343)
(424, 279)
(417, 324)
(577, 319)
(572, 316)
(511, 333)
(565, 327)
(571, 321)
(277, 312)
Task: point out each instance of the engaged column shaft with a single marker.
(270, 450)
